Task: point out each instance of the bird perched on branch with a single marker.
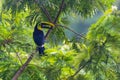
(38, 35)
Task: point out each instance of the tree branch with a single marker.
(17, 54)
(44, 10)
(46, 13)
(81, 35)
(56, 18)
(81, 67)
(18, 73)
(59, 12)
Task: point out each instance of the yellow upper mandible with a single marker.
(49, 23)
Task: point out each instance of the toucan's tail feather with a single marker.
(41, 50)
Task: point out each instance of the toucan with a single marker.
(38, 35)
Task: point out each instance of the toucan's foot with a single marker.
(43, 55)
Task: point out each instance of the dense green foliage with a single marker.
(95, 57)
(104, 47)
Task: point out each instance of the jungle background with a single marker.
(83, 45)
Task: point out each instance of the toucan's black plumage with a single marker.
(39, 40)
(38, 35)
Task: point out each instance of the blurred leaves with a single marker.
(94, 58)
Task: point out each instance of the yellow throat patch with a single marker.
(39, 27)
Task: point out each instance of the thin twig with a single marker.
(44, 10)
(56, 18)
(81, 67)
(81, 35)
(17, 54)
(18, 73)
(46, 13)
(59, 12)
